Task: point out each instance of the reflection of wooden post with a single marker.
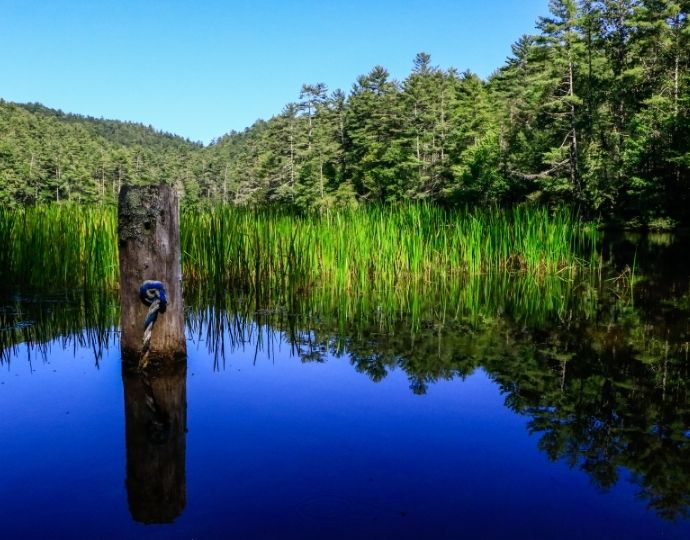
(155, 420)
(149, 244)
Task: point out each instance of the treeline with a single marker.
(47, 155)
(593, 109)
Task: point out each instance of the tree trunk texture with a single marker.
(149, 245)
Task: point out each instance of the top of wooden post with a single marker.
(138, 209)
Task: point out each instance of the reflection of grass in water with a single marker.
(469, 302)
(76, 319)
(63, 246)
(656, 239)
(377, 263)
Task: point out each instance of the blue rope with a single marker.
(151, 318)
(151, 293)
(151, 290)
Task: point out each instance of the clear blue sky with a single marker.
(200, 68)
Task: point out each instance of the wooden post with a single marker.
(149, 244)
(155, 427)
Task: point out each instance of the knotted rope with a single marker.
(151, 293)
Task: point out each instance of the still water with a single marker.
(328, 420)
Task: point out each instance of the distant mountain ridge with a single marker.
(118, 131)
(49, 155)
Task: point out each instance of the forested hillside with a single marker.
(46, 155)
(593, 109)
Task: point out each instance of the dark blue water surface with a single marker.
(504, 430)
(279, 448)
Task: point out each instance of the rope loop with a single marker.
(151, 290)
(152, 293)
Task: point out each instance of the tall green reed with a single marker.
(350, 251)
(389, 246)
(417, 263)
(58, 247)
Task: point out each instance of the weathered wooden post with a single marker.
(149, 244)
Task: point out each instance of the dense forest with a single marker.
(592, 110)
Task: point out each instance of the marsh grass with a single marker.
(420, 266)
(386, 246)
(374, 250)
(58, 247)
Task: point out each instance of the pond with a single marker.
(490, 410)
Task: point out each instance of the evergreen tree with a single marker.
(594, 109)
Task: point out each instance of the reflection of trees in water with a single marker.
(595, 403)
(604, 377)
(600, 366)
(604, 409)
